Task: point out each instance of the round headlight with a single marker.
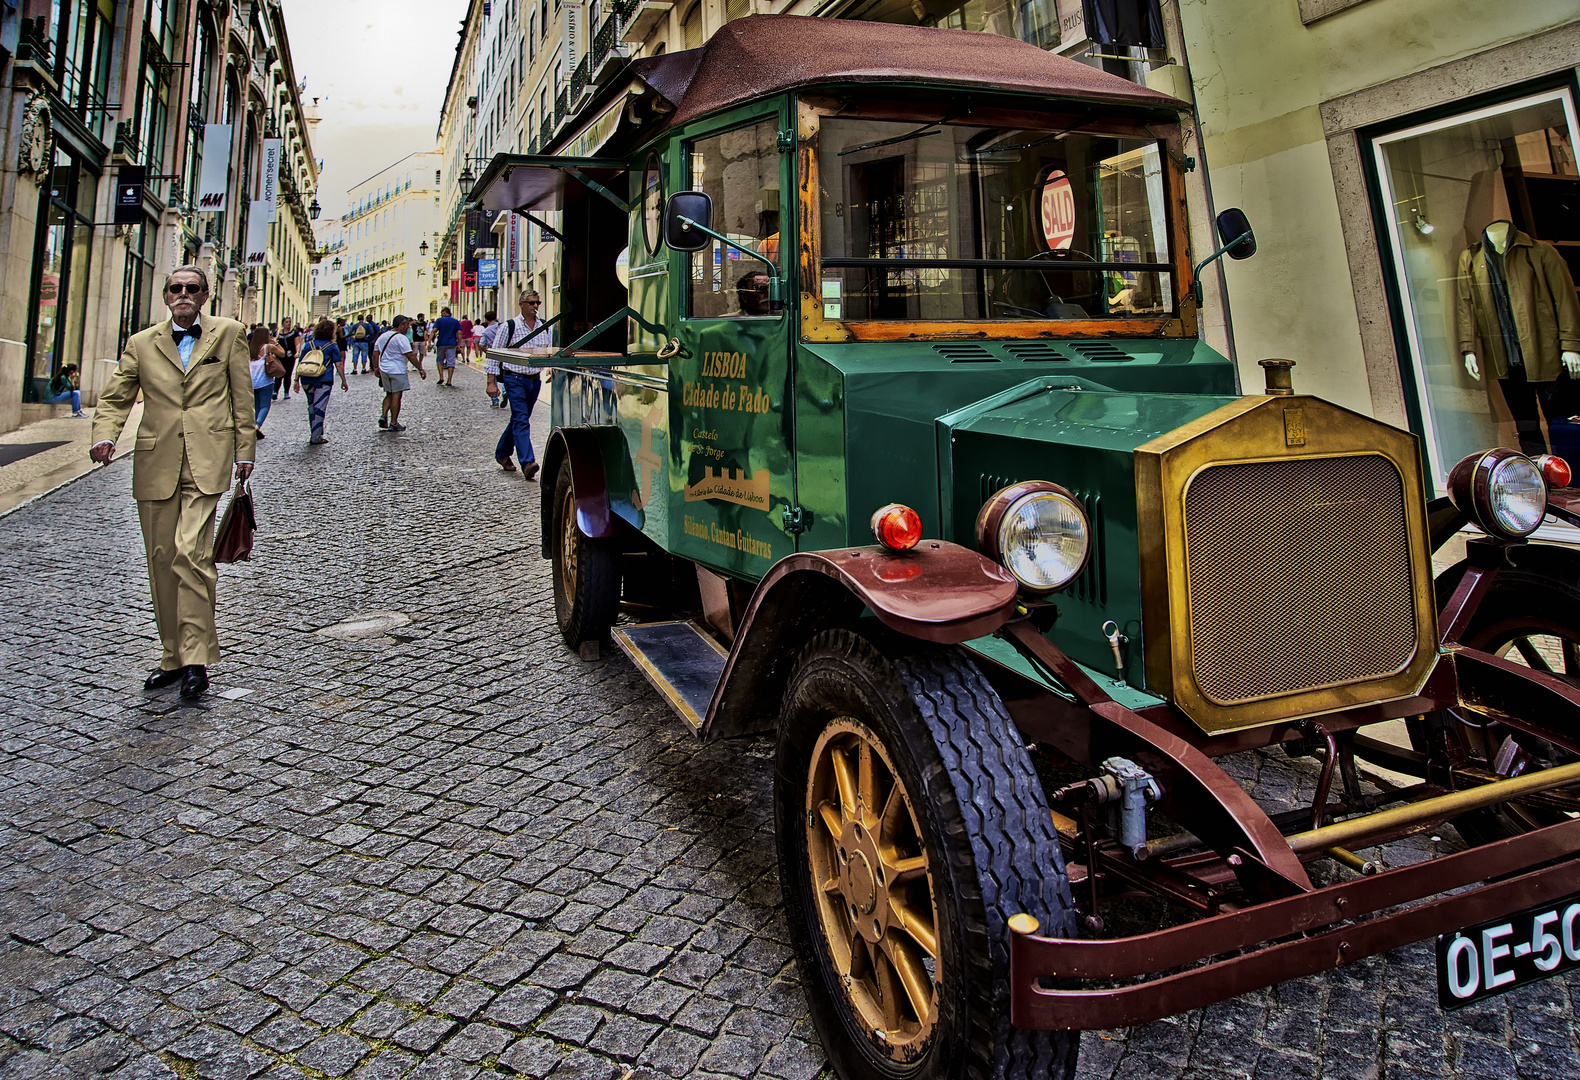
(1503, 491)
(1038, 531)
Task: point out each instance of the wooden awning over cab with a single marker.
(533, 183)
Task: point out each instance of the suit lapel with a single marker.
(206, 344)
(167, 344)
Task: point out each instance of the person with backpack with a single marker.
(363, 334)
(315, 376)
(419, 335)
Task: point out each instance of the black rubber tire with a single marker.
(586, 608)
(985, 823)
(1520, 602)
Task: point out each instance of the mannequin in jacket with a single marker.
(1546, 306)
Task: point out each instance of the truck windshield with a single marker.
(946, 221)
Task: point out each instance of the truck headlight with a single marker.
(1502, 490)
(1038, 531)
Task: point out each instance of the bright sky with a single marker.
(378, 69)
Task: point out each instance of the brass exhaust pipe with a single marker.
(1343, 833)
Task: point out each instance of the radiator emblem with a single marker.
(1295, 427)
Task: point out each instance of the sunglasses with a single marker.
(179, 287)
(534, 303)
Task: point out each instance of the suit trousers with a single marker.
(1557, 402)
(178, 535)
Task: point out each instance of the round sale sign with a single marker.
(1058, 210)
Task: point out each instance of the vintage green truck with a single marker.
(827, 281)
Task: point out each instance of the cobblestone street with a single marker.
(452, 848)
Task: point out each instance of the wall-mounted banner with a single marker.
(479, 234)
(215, 181)
(488, 273)
(269, 192)
(512, 243)
(257, 233)
(574, 45)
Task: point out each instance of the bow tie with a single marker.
(190, 332)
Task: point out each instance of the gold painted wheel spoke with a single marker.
(867, 782)
(845, 777)
(891, 991)
(920, 930)
(913, 976)
(831, 820)
(899, 871)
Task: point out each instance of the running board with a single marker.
(681, 661)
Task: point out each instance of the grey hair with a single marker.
(188, 269)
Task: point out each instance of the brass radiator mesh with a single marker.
(1299, 575)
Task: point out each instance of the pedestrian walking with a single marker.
(265, 368)
(521, 383)
(341, 341)
(444, 365)
(464, 343)
(192, 373)
(394, 352)
(446, 335)
(363, 333)
(419, 335)
(287, 338)
(495, 397)
(67, 386)
(315, 376)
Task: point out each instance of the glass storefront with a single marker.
(61, 286)
(1441, 185)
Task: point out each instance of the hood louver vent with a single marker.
(965, 353)
(1034, 351)
(1101, 352)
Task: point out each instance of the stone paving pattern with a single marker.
(459, 850)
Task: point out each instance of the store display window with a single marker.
(1482, 228)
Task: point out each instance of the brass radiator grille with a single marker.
(1299, 575)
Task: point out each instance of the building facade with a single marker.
(387, 240)
(113, 106)
(1382, 139)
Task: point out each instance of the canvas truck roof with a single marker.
(767, 54)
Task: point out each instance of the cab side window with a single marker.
(740, 170)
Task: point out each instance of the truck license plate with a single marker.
(1506, 953)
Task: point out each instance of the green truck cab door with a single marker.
(732, 465)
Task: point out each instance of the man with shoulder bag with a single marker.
(521, 382)
(193, 372)
(392, 352)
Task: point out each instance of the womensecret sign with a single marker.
(1058, 210)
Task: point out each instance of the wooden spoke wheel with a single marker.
(911, 826)
(586, 572)
(1532, 620)
(874, 895)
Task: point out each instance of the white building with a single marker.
(389, 237)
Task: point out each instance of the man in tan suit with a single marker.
(192, 371)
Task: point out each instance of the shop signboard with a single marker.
(488, 273)
(215, 181)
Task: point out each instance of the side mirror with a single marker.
(694, 206)
(1234, 231)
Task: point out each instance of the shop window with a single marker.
(62, 265)
(1440, 186)
(740, 171)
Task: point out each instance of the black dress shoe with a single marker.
(194, 684)
(159, 678)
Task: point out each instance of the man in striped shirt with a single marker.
(520, 382)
